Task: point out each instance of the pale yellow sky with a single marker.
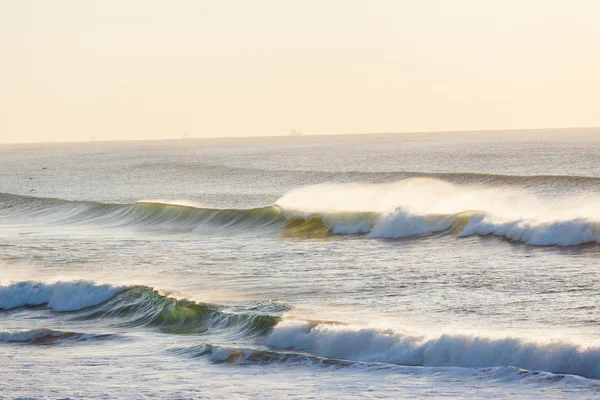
(143, 69)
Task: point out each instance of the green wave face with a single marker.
(185, 216)
(142, 306)
(182, 218)
(149, 215)
(322, 225)
(460, 220)
(309, 228)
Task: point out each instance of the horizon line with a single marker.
(299, 137)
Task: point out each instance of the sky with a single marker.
(77, 70)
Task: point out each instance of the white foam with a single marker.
(372, 345)
(536, 231)
(400, 223)
(418, 206)
(59, 296)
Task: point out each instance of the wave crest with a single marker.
(387, 346)
(412, 207)
(59, 296)
(420, 206)
(142, 306)
(175, 216)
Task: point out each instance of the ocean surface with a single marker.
(438, 265)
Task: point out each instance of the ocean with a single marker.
(437, 265)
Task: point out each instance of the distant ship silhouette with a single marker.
(294, 132)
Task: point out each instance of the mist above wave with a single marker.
(420, 206)
(411, 207)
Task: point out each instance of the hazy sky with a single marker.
(142, 69)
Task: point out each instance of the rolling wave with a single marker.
(287, 340)
(532, 231)
(59, 296)
(142, 306)
(266, 357)
(141, 214)
(408, 208)
(387, 346)
(418, 206)
(139, 306)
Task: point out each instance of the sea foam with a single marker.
(420, 206)
(387, 346)
(59, 296)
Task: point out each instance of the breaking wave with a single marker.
(340, 346)
(265, 357)
(59, 296)
(140, 306)
(419, 206)
(387, 346)
(286, 340)
(532, 231)
(408, 208)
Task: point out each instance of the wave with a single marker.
(461, 178)
(251, 356)
(323, 224)
(287, 340)
(408, 208)
(402, 224)
(174, 216)
(264, 357)
(47, 336)
(387, 346)
(141, 306)
(415, 207)
(532, 231)
(59, 296)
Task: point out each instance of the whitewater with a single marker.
(391, 266)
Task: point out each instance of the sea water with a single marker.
(386, 266)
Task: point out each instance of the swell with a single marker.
(141, 214)
(418, 207)
(266, 357)
(48, 337)
(287, 340)
(252, 356)
(389, 176)
(140, 307)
